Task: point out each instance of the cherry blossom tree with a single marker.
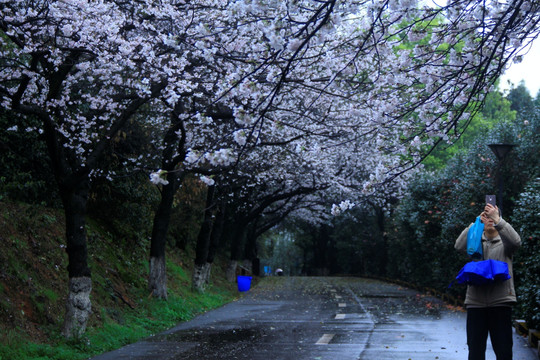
(255, 195)
(360, 90)
(389, 79)
(381, 83)
(83, 68)
(212, 125)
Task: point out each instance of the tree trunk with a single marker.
(256, 266)
(203, 244)
(215, 238)
(250, 248)
(78, 307)
(237, 249)
(207, 273)
(199, 278)
(217, 233)
(157, 279)
(173, 155)
(231, 270)
(78, 304)
(251, 251)
(381, 222)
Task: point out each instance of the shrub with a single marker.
(527, 261)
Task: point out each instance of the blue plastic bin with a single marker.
(244, 282)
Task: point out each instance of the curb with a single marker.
(532, 335)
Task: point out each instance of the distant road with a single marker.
(319, 318)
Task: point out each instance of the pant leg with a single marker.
(500, 331)
(477, 332)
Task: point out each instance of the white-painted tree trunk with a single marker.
(78, 307)
(231, 270)
(157, 280)
(198, 280)
(207, 273)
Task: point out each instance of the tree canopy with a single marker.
(343, 97)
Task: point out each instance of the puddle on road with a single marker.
(411, 306)
(214, 336)
(209, 343)
(373, 296)
(384, 300)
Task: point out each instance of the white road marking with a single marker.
(325, 339)
(342, 305)
(340, 316)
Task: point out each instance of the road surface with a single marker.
(319, 318)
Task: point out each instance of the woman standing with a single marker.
(489, 306)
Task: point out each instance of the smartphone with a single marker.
(491, 199)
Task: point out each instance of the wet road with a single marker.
(319, 318)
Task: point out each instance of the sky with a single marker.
(528, 70)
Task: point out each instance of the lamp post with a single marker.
(500, 151)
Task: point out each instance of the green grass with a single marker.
(51, 295)
(34, 288)
(150, 317)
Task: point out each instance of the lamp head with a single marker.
(500, 150)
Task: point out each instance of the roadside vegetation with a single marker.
(412, 240)
(441, 203)
(33, 288)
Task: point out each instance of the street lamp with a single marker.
(500, 151)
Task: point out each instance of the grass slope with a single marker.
(33, 288)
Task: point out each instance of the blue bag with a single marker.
(474, 239)
(483, 272)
